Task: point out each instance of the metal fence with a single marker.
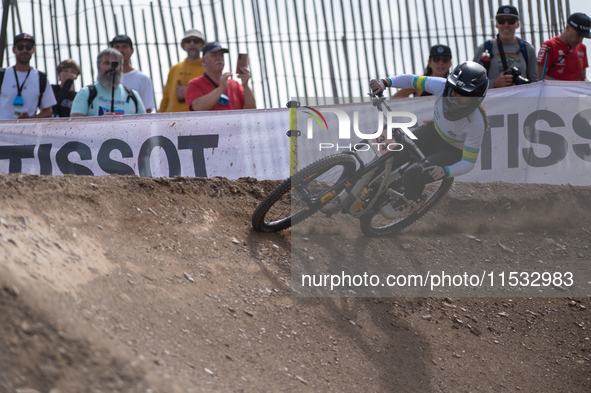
(298, 48)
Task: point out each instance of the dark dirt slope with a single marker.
(125, 284)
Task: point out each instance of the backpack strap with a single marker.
(131, 96)
(92, 93)
(42, 86)
(523, 48)
(488, 45)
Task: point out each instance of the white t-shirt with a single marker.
(465, 133)
(30, 94)
(141, 83)
(102, 102)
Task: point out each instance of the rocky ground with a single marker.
(127, 284)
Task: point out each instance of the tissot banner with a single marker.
(539, 133)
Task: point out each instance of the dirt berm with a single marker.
(128, 284)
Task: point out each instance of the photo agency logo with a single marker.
(382, 138)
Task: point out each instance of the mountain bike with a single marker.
(369, 187)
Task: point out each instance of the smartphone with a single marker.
(242, 62)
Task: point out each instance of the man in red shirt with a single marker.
(567, 56)
(214, 90)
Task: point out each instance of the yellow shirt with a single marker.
(183, 72)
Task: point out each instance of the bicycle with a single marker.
(370, 187)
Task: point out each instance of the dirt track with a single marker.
(127, 284)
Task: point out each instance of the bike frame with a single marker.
(364, 178)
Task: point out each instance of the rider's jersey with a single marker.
(465, 134)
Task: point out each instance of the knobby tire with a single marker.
(276, 213)
(369, 229)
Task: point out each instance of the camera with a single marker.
(518, 78)
(114, 64)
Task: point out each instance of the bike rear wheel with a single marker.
(289, 203)
(375, 224)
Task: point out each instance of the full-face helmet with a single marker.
(468, 79)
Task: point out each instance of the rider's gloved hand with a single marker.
(436, 172)
(377, 86)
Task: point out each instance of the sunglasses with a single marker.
(511, 21)
(437, 59)
(23, 46)
(192, 40)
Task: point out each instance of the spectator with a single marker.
(67, 72)
(97, 99)
(179, 76)
(567, 57)
(437, 66)
(214, 90)
(507, 57)
(23, 89)
(132, 78)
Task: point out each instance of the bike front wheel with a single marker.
(289, 203)
(375, 224)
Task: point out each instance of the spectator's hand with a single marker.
(503, 81)
(244, 75)
(24, 115)
(224, 80)
(377, 86)
(180, 91)
(436, 172)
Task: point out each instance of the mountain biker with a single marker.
(451, 141)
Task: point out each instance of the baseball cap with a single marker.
(440, 50)
(24, 36)
(120, 38)
(581, 23)
(213, 47)
(194, 33)
(507, 10)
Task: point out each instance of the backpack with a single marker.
(42, 83)
(488, 45)
(92, 93)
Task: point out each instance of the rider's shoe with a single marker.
(399, 208)
(332, 206)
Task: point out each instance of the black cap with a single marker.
(507, 10)
(121, 38)
(581, 23)
(440, 50)
(24, 36)
(213, 47)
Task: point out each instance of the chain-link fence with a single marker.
(298, 48)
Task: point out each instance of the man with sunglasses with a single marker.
(23, 88)
(507, 53)
(179, 76)
(567, 55)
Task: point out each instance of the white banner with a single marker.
(232, 144)
(540, 133)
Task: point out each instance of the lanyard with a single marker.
(211, 80)
(20, 88)
(224, 99)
